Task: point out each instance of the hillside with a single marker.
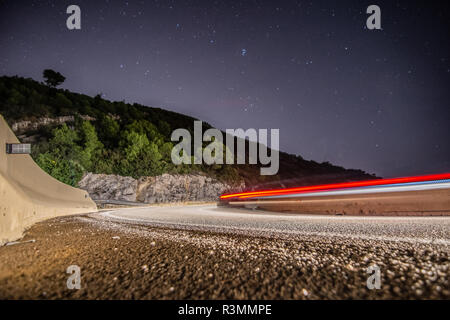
(74, 133)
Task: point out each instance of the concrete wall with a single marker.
(29, 195)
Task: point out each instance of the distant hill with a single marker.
(74, 133)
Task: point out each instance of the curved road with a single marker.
(205, 252)
(431, 230)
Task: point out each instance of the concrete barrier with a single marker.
(29, 195)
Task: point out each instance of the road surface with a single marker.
(252, 222)
(204, 252)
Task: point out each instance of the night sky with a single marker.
(376, 100)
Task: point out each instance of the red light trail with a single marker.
(345, 185)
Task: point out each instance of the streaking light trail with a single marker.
(426, 182)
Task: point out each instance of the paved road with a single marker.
(204, 252)
(431, 230)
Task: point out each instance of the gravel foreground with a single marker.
(130, 261)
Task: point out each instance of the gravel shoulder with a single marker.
(121, 260)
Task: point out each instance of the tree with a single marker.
(53, 78)
(63, 143)
(142, 157)
(109, 131)
(135, 144)
(92, 147)
(62, 103)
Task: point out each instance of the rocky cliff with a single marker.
(25, 125)
(160, 189)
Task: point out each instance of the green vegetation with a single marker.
(125, 139)
(119, 138)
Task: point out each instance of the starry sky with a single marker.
(376, 100)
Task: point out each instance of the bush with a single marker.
(67, 171)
